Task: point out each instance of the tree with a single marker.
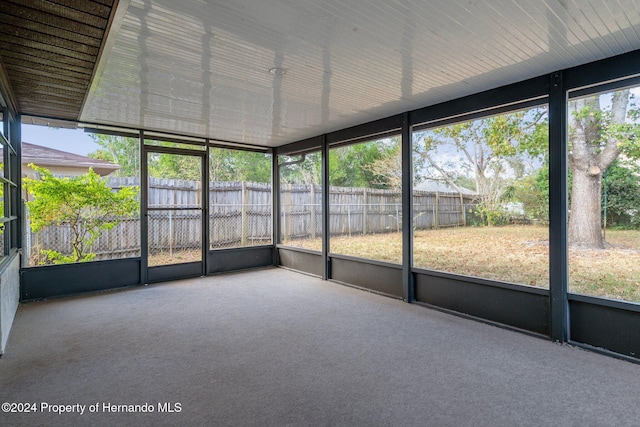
(622, 184)
(533, 192)
(598, 135)
(239, 165)
(84, 202)
(175, 166)
(372, 164)
(224, 165)
(495, 151)
(301, 169)
(123, 151)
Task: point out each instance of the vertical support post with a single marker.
(144, 205)
(275, 205)
(326, 261)
(206, 238)
(6, 188)
(558, 242)
(15, 133)
(407, 210)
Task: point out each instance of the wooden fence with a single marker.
(240, 215)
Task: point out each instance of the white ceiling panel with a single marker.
(202, 67)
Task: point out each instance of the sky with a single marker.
(71, 140)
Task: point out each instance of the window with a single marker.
(365, 199)
(8, 188)
(102, 220)
(604, 194)
(301, 200)
(239, 198)
(481, 198)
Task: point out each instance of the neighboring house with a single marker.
(61, 163)
(433, 186)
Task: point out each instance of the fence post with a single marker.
(170, 233)
(464, 211)
(365, 207)
(286, 227)
(436, 211)
(312, 204)
(243, 214)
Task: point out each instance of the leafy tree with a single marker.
(238, 165)
(601, 129)
(225, 164)
(622, 182)
(533, 192)
(84, 202)
(301, 169)
(172, 166)
(123, 151)
(373, 164)
(494, 151)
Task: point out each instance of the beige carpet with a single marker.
(273, 347)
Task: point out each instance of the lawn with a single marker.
(516, 254)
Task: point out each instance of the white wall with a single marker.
(9, 298)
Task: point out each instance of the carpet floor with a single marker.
(277, 348)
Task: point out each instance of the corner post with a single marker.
(407, 211)
(558, 241)
(326, 261)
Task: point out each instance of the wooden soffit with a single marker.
(49, 50)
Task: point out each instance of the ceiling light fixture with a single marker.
(278, 71)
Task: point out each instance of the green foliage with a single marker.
(237, 165)
(122, 151)
(301, 169)
(225, 164)
(601, 127)
(622, 182)
(372, 164)
(83, 202)
(491, 155)
(492, 216)
(175, 166)
(533, 192)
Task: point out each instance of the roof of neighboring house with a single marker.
(441, 187)
(50, 157)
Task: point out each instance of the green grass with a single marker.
(516, 254)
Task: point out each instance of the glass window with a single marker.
(481, 198)
(3, 123)
(301, 200)
(604, 195)
(239, 198)
(3, 225)
(365, 199)
(101, 220)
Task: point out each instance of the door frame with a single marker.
(172, 271)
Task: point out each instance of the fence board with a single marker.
(240, 215)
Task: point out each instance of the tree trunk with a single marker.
(592, 152)
(584, 222)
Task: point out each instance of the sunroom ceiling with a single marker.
(203, 67)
